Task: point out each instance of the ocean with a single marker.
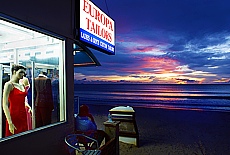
(208, 97)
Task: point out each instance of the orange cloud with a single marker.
(161, 65)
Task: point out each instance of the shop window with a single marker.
(25, 45)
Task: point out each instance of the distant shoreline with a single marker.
(76, 83)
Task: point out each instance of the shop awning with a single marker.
(83, 56)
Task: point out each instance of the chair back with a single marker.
(74, 144)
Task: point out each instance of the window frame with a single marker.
(62, 75)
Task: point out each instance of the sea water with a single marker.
(214, 97)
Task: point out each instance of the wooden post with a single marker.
(112, 129)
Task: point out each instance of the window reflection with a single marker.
(39, 53)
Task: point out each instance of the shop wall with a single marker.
(55, 16)
(52, 15)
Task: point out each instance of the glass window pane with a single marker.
(42, 55)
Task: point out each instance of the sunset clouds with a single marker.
(165, 42)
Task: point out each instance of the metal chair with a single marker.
(75, 143)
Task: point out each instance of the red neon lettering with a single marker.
(98, 16)
(93, 12)
(97, 29)
(110, 25)
(85, 6)
(109, 37)
(88, 22)
(107, 22)
(92, 27)
(103, 19)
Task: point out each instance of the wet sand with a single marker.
(175, 132)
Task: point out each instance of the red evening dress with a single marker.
(17, 111)
(28, 113)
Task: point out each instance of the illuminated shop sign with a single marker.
(96, 28)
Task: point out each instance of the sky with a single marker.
(165, 42)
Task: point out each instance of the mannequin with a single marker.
(44, 100)
(26, 83)
(14, 94)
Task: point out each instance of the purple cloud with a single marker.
(186, 40)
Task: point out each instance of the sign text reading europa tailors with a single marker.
(96, 28)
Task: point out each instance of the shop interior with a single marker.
(38, 52)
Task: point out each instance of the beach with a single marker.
(174, 132)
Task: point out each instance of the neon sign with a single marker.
(96, 28)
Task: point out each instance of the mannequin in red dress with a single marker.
(26, 83)
(14, 94)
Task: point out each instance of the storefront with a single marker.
(43, 36)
